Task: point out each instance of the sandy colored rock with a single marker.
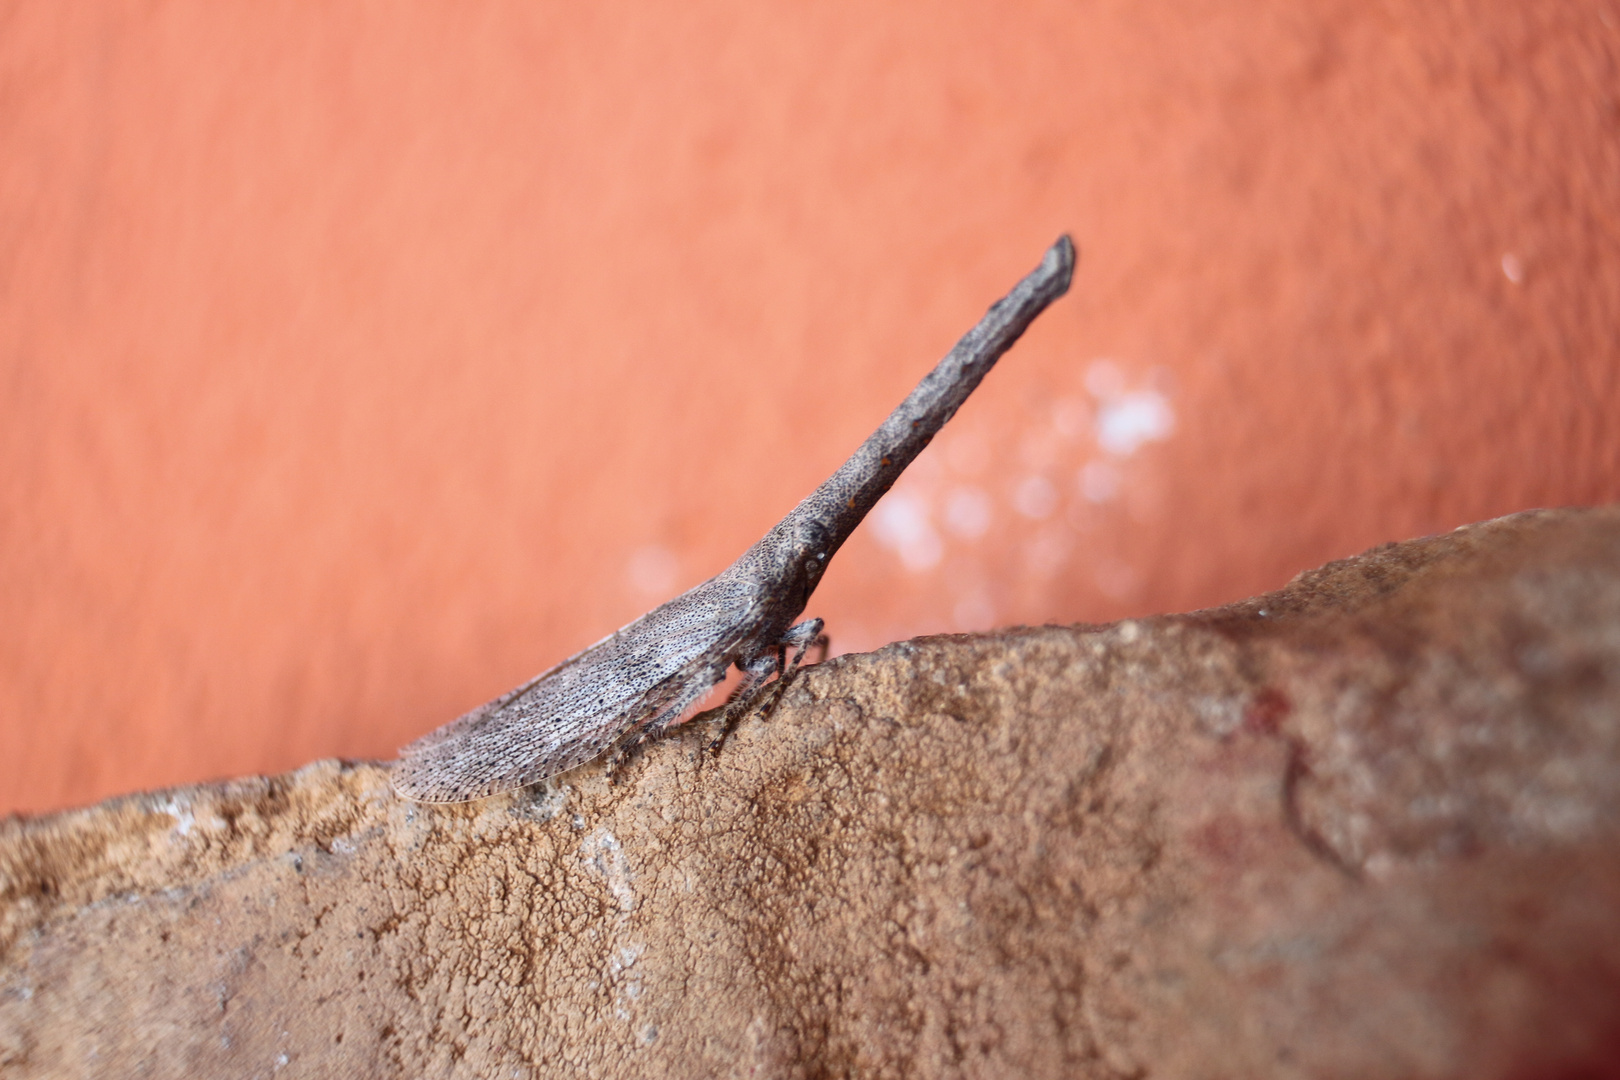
(1363, 826)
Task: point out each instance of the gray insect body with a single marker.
(634, 683)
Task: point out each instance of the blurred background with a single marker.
(357, 361)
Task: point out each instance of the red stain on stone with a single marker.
(1221, 838)
(1267, 711)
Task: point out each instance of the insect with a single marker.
(635, 683)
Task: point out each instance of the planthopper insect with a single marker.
(635, 683)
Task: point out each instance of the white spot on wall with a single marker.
(653, 572)
(1047, 552)
(1117, 580)
(974, 612)
(900, 522)
(1104, 379)
(1219, 714)
(1126, 418)
(1035, 497)
(1126, 422)
(1512, 268)
(1099, 482)
(1071, 417)
(968, 512)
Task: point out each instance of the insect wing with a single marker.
(575, 711)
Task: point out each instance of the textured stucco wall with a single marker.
(357, 363)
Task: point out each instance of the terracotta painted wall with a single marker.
(357, 362)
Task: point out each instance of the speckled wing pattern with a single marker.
(649, 672)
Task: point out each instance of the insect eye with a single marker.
(813, 535)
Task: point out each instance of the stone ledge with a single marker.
(1365, 825)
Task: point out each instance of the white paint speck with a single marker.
(1126, 422)
(547, 800)
(1128, 418)
(1512, 268)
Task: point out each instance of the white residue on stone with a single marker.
(1219, 714)
(604, 852)
(620, 975)
(180, 810)
(547, 801)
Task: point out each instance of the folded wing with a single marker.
(574, 712)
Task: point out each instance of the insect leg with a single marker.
(639, 733)
(755, 672)
(806, 636)
(803, 637)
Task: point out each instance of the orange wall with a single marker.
(358, 362)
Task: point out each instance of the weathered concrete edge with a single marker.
(54, 864)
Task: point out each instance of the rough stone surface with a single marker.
(1363, 826)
